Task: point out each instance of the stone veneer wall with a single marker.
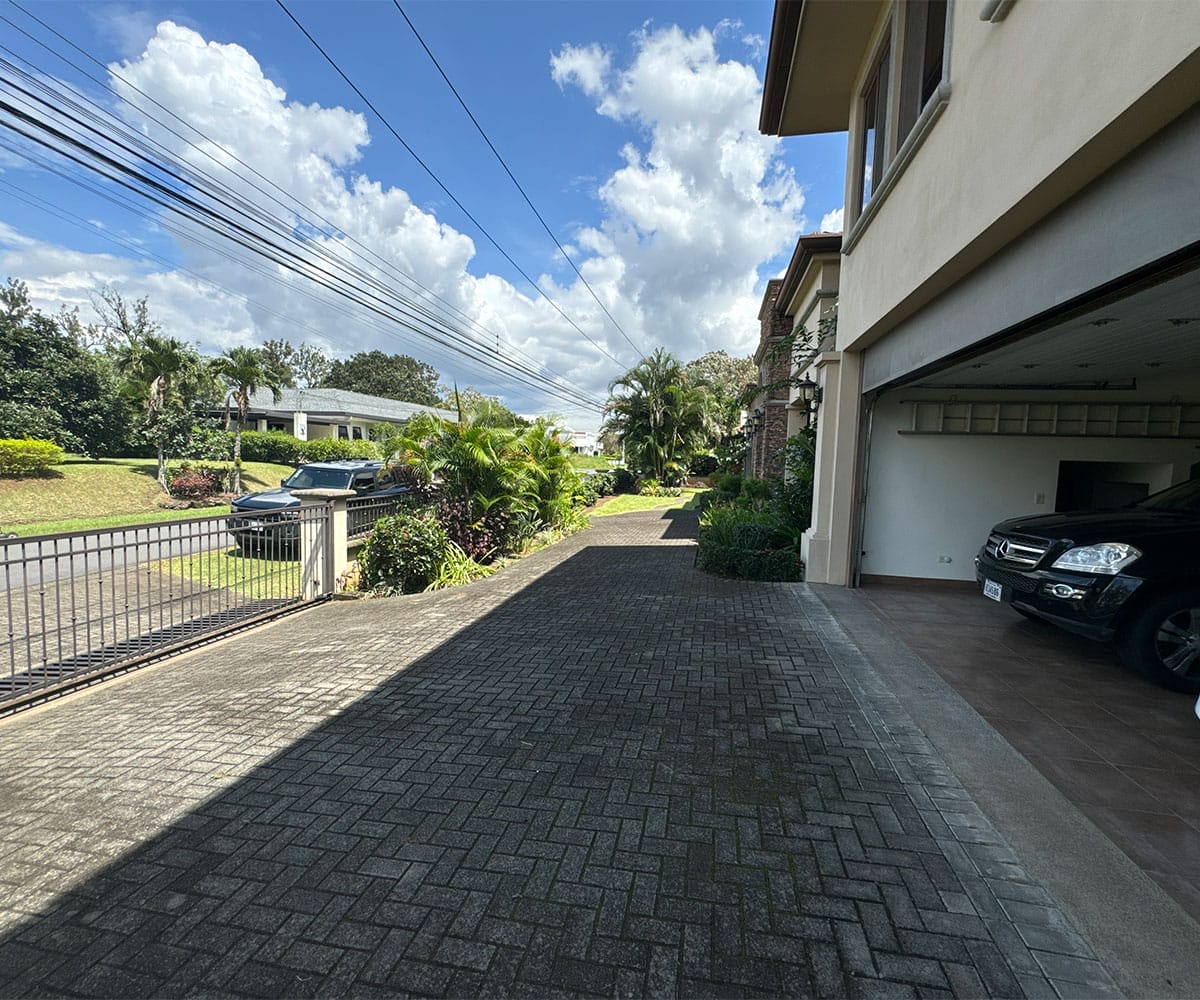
(773, 433)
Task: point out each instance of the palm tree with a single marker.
(245, 370)
(658, 414)
(155, 368)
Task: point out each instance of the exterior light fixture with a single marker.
(809, 393)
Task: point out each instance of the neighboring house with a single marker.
(796, 304)
(1019, 308)
(580, 442)
(320, 413)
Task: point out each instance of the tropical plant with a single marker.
(164, 376)
(458, 568)
(659, 415)
(492, 478)
(245, 370)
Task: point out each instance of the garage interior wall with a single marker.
(932, 498)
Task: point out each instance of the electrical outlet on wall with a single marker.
(1039, 498)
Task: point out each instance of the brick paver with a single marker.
(599, 772)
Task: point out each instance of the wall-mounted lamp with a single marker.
(809, 393)
(759, 417)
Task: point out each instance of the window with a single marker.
(921, 65)
(874, 131)
(905, 76)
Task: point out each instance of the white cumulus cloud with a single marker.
(700, 203)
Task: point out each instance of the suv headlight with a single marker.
(1104, 557)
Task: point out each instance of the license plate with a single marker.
(993, 590)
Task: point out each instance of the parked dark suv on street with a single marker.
(271, 518)
(1130, 575)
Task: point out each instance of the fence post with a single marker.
(323, 540)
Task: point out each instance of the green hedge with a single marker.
(338, 450)
(271, 446)
(28, 457)
(750, 564)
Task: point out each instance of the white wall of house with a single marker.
(931, 497)
(1039, 105)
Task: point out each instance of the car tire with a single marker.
(1163, 641)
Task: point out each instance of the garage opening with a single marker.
(1100, 485)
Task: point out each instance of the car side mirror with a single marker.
(283, 481)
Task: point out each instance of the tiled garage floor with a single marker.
(1124, 751)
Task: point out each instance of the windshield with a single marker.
(308, 478)
(1183, 497)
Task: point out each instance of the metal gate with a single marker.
(89, 602)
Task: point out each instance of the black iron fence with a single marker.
(88, 602)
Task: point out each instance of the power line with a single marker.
(205, 217)
(408, 280)
(156, 192)
(517, 184)
(437, 180)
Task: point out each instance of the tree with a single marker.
(658, 414)
(483, 408)
(51, 385)
(304, 366)
(245, 370)
(392, 376)
(723, 380)
(164, 376)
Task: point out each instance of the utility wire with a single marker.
(388, 265)
(516, 183)
(437, 180)
(160, 194)
(33, 200)
(135, 140)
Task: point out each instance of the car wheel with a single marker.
(1163, 641)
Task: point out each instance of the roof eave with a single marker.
(816, 50)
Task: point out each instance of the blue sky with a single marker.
(632, 127)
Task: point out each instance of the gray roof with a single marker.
(341, 403)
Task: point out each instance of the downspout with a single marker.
(864, 462)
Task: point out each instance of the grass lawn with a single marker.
(626, 502)
(82, 494)
(231, 569)
(590, 462)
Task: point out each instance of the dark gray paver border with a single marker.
(1143, 937)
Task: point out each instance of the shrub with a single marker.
(653, 488)
(623, 481)
(756, 489)
(730, 483)
(403, 554)
(604, 483)
(720, 522)
(748, 535)
(211, 444)
(196, 482)
(586, 493)
(28, 457)
(750, 564)
(271, 446)
(703, 465)
(337, 450)
(481, 538)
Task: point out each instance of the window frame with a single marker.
(898, 150)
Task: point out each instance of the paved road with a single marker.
(599, 772)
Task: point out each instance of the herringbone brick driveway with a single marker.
(600, 772)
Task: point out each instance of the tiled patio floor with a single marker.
(1124, 751)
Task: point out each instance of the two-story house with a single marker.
(1019, 312)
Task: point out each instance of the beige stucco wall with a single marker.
(1041, 104)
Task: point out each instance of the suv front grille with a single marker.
(1016, 551)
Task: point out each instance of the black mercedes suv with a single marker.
(1130, 575)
